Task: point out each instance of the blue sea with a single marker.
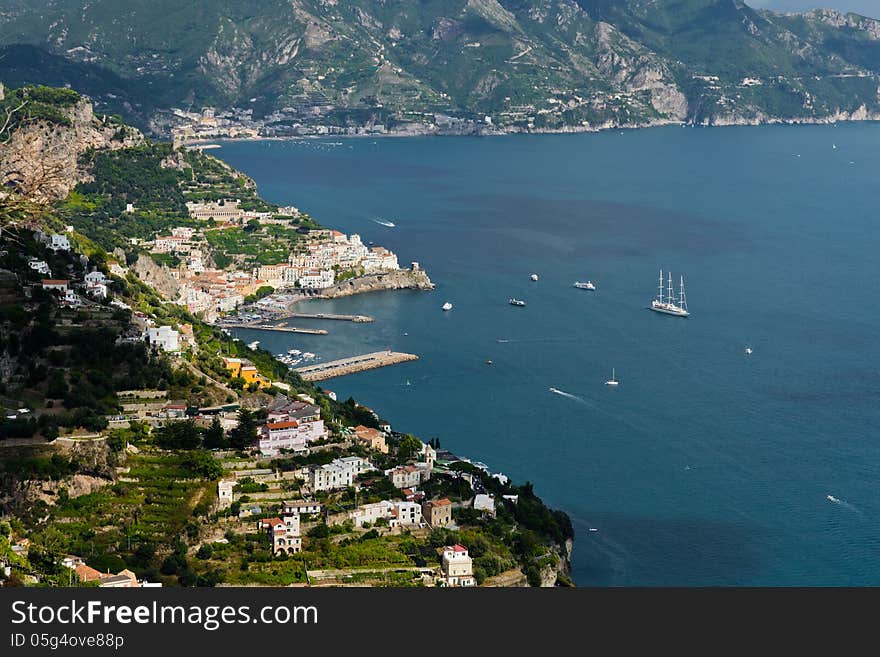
(705, 466)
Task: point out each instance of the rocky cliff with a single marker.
(40, 159)
(157, 276)
(401, 279)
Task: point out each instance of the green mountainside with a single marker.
(95, 466)
(528, 64)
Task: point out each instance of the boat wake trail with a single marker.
(388, 224)
(560, 339)
(843, 503)
(562, 393)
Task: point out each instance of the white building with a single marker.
(405, 476)
(165, 337)
(406, 514)
(59, 285)
(300, 507)
(370, 513)
(97, 290)
(58, 242)
(485, 502)
(339, 473)
(94, 278)
(40, 266)
(224, 493)
(228, 211)
(316, 279)
(457, 566)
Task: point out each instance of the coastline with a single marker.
(289, 298)
(859, 116)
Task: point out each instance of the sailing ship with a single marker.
(584, 286)
(670, 305)
(612, 381)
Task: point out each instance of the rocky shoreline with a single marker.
(862, 114)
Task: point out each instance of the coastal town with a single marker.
(143, 445)
(316, 262)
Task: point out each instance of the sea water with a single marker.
(706, 465)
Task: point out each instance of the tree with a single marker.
(408, 447)
(215, 437)
(245, 434)
(179, 435)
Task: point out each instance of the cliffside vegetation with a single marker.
(91, 462)
(529, 64)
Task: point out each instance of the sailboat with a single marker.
(669, 305)
(612, 381)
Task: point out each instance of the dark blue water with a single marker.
(705, 466)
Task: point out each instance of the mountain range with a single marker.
(515, 64)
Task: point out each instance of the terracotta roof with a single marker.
(282, 425)
(443, 502)
(55, 281)
(87, 573)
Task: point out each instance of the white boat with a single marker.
(447, 306)
(670, 305)
(584, 286)
(534, 277)
(294, 352)
(254, 344)
(516, 302)
(612, 381)
(748, 351)
(308, 354)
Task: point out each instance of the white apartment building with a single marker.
(406, 514)
(314, 279)
(165, 337)
(457, 566)
(339, 473)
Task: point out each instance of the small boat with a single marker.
(308, 354)
(294, 352)
(584, 286)
(408, 383)
(612, 381)
(447, 306)
(748, 351)
(593, 529)
(516, 302)
(534, 277)
(488, 362)
(254, 344)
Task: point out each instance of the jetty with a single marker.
(275, 327)
(353, 364)
(343, 318)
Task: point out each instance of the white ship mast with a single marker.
(682, 300)
(660, 294)
(670, 297)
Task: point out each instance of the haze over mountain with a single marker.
(527, 64)
(869, 8)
